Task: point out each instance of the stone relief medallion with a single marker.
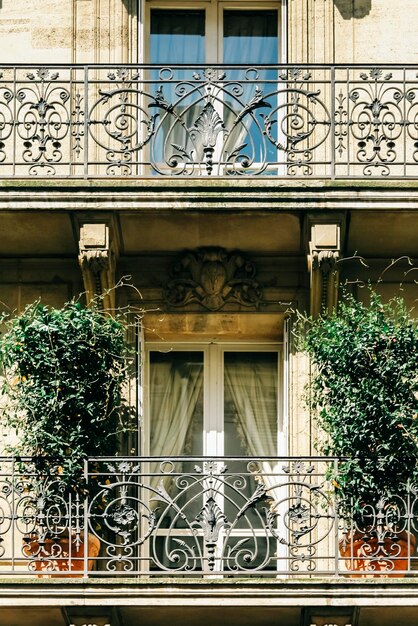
(212, 277)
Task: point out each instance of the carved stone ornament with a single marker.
(324, 260)
(212, 277)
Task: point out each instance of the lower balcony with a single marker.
(200, 518)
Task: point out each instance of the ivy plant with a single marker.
(63, 373)
(364, 391)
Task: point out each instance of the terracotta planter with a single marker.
(53, 556)
(377, 558)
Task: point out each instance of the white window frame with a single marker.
(213, 372)
(213, 22)
(213, 398)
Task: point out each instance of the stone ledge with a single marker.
(82, 198)
(261, 183)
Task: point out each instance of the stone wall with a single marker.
(36, 32)
(352, 31)
(106, 31)
(68, 31)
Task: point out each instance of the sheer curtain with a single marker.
(251, 38)
(252, 382)
(176, 381)
(177, 36)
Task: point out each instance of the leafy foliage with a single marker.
(364, 390)
(64, 371)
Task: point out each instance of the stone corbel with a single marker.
(97, 258)
(324, 252)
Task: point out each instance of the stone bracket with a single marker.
(97, 259)
(324, 253)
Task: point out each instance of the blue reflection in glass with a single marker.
(177, 36)
(251, 38)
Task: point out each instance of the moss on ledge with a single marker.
(146, 581)
(261, 183)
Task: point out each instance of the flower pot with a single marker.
(377, 557)
(60, 554)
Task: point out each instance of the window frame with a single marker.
(214, 25)
(213, 389)
(213, 22)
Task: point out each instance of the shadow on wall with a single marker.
(130, 5)
(353, 8)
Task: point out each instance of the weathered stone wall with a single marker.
(106, 31)
(23, 281)
(373, 31)
(68, 31)
(36, 32)
(352, 31)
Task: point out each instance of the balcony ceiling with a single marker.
(48, 234)
(271, 234)
(377, 234)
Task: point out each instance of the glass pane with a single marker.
(251, 38)
(250, 417)
(250, 409)
(176, 399)
(177, 36)
(176, 420)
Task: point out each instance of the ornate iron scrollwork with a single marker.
(181, 516)
(42, 120)
(329, 121)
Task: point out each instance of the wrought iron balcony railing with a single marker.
(138, 121)
(276, 517)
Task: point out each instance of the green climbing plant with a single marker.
(63, 376)
(364, 392)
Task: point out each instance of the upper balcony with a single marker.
(331, 122)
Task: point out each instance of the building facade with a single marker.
(225, 164)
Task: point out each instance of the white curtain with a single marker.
(251, 38)
(176, 387)
(177, 36)
(253, 387)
